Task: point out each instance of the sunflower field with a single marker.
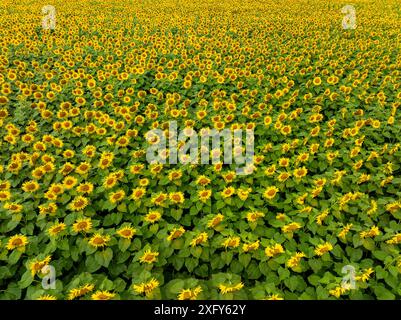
(318, 217)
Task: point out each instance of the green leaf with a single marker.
(220, 204)
(227, 257)
(315, 264)
(107, 256)
(283, 273)
(175, 286)
(264, 268)
(369, 244)
(355, 254)
(26, 280)
(176, 214)
(11, 225)
(291, 283)
(122, 207)
(383, 294)
(191, 263)
(253, 271)
(314, 280)
(381, 255)
(178, 263)
(92, 264)
(123, 244)
(244, 259)
(99, 257)
(14, 257)
(236, 267)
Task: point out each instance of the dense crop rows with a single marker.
(78, 194)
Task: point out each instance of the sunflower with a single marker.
(295, 259)
(146, 287)
(85, 188)
(202, 180)
(122, 141)
(323, 248)
(83, 168)
(175, 233)
(68, 154)
(267, 121)
(344, 231)
(91, 83)
(283, 176)
(56, 188)
(46, 297)
(89, 151)
(269, 171)
(39, 146)
(58, 143)
(103, 295)
(30, 186)
(199, 239)
(227, 192)
(243, 193)
(201, 114)
(365, 275)
(204, 195)
(136, 168)
(69, 182)
(36, 265)
(231, 242)
(99, 240)
(253, 216)
(285, 130)
(371, 233)
(189, 294)
(5, 195)
(48, 167)
(5, 185)
(78, 203)
(149, 257)
(230, 288)
(49, 208)
(317, 81)
(175, 175)
(395, 239)
(143, 182)
(105, 162)
(117, 196)
(66, 169)
(274, 250)
(152, 216)
(138, 193)
(274, 297)
(56, 229)
(291, 227)
(126, 232)
(110, 181)
(80, 291)
(82, 225)
(10, 139)
(13, 207)
(3, 101)
(66, 125)
(284, 162)
(301, 199)
(17, 241)
(215, 221)
(270, 192)
(299, 173)
(176, 197)
(229, 176)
